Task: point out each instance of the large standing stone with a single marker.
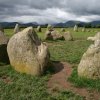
(68, 36)
(76, 28)
(39, 29)
(3, 48)
(16, 29)
(89, 66)
(27, 53)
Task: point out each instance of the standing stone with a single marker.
(27, 53)
(16, 29)
(96, 37)
(76, 28)
(3, 48)
(48, 35)
(53, 35)
(56, 35)
(62, 30)
(50, 28)
(89, 66)
(88, 30)
(83, 29)
(68, 36)
(39, 29)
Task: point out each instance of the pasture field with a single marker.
(17, 86)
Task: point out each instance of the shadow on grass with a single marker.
(3, 64)
(55, 67)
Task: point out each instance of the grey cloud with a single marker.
(49, 10)
(84, 7)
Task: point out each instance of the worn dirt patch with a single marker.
(59, 81)
(6, 79)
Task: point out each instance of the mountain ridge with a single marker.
(69, 23)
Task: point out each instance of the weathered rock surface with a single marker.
(27, 53)
(16, 29)
(3, 48)
(68, 36)
(89, 66)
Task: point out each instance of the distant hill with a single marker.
(12, 24)
(70, 23)
(95, 23)
(80, 23)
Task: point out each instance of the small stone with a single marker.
(16, 29)
(39, 29)
(50, 28)
(83, 29)
(62, 30)
(76, 28)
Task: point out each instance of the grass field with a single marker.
(26, 87)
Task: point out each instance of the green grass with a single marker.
(9, 32)
(83, 82)
(27, 87)
(70, 51)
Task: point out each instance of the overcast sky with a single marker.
(49, 11)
